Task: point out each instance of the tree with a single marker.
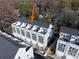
(26, 8)
(75, 4)
(66, 21)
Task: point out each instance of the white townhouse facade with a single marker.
(11, 49)
(37, 32)
(68, 43)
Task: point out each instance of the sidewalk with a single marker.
(54, 56)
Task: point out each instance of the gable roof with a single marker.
(36, 22)
(8, 47)
(70, 31)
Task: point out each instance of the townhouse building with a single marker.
(68, 43)
(37, 32)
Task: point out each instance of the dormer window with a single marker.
(15, 23)
(18, 23)
(29, 26)
(43, 30)
(35, 28)
(23, 25)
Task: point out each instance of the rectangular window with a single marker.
(27, 34)
(77, 40)
(61, 34)
(41, 39)
(72, 51)
(18, 31)
(22, 32)
(13, 29)
(34, 37)
(61, 47)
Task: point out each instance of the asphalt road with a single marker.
(37, 56)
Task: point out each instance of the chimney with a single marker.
(33, 13)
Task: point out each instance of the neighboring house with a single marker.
(63, 40)
(10, 49)
(68, 43)
(37, 32)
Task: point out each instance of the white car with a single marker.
(43, 53)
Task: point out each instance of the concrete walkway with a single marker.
(54, 56)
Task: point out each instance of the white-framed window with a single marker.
(13, 29)
(27, 34)
(41, 40)
(18, 30)
(22, 32)
(72, 51)
(61, 47)
(34, 37)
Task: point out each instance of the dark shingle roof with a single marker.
(8, 47)
(36, 22)
(70, 31)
